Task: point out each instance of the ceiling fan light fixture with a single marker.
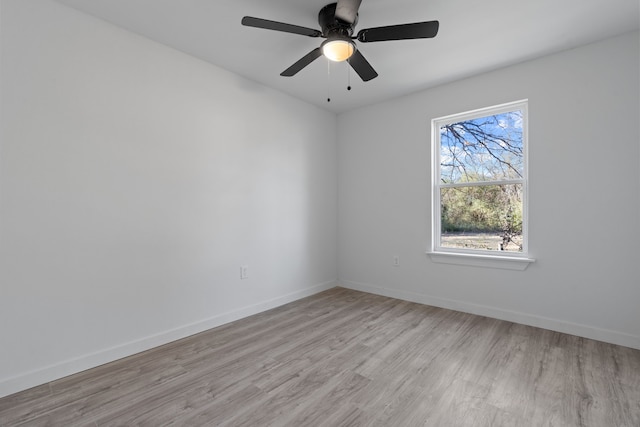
(338, 49)
(337, 22)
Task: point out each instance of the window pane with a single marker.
(483, 149)
(482, 217)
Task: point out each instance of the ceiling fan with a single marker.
(337, 21)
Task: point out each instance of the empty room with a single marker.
(287, 213)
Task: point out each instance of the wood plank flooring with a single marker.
(347, 358)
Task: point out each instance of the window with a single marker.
(480, 184)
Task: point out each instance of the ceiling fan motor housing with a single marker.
(332, 26)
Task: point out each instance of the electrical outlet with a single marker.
(396, 261)
(244, 272)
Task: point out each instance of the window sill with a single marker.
(490, 261)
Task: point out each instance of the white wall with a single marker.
(134, 182)
(584, 195)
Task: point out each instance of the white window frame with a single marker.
(474, 257)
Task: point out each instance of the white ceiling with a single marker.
(474, 37)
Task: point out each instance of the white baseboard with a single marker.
(599, 334)
(59, 370)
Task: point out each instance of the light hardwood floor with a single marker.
(346, 358)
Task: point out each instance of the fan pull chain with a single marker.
(349, 74)
(328, 80)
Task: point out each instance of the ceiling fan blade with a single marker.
(417, 30)
(302, 62)
(250, 21)
(362, 66)
(347, 10)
